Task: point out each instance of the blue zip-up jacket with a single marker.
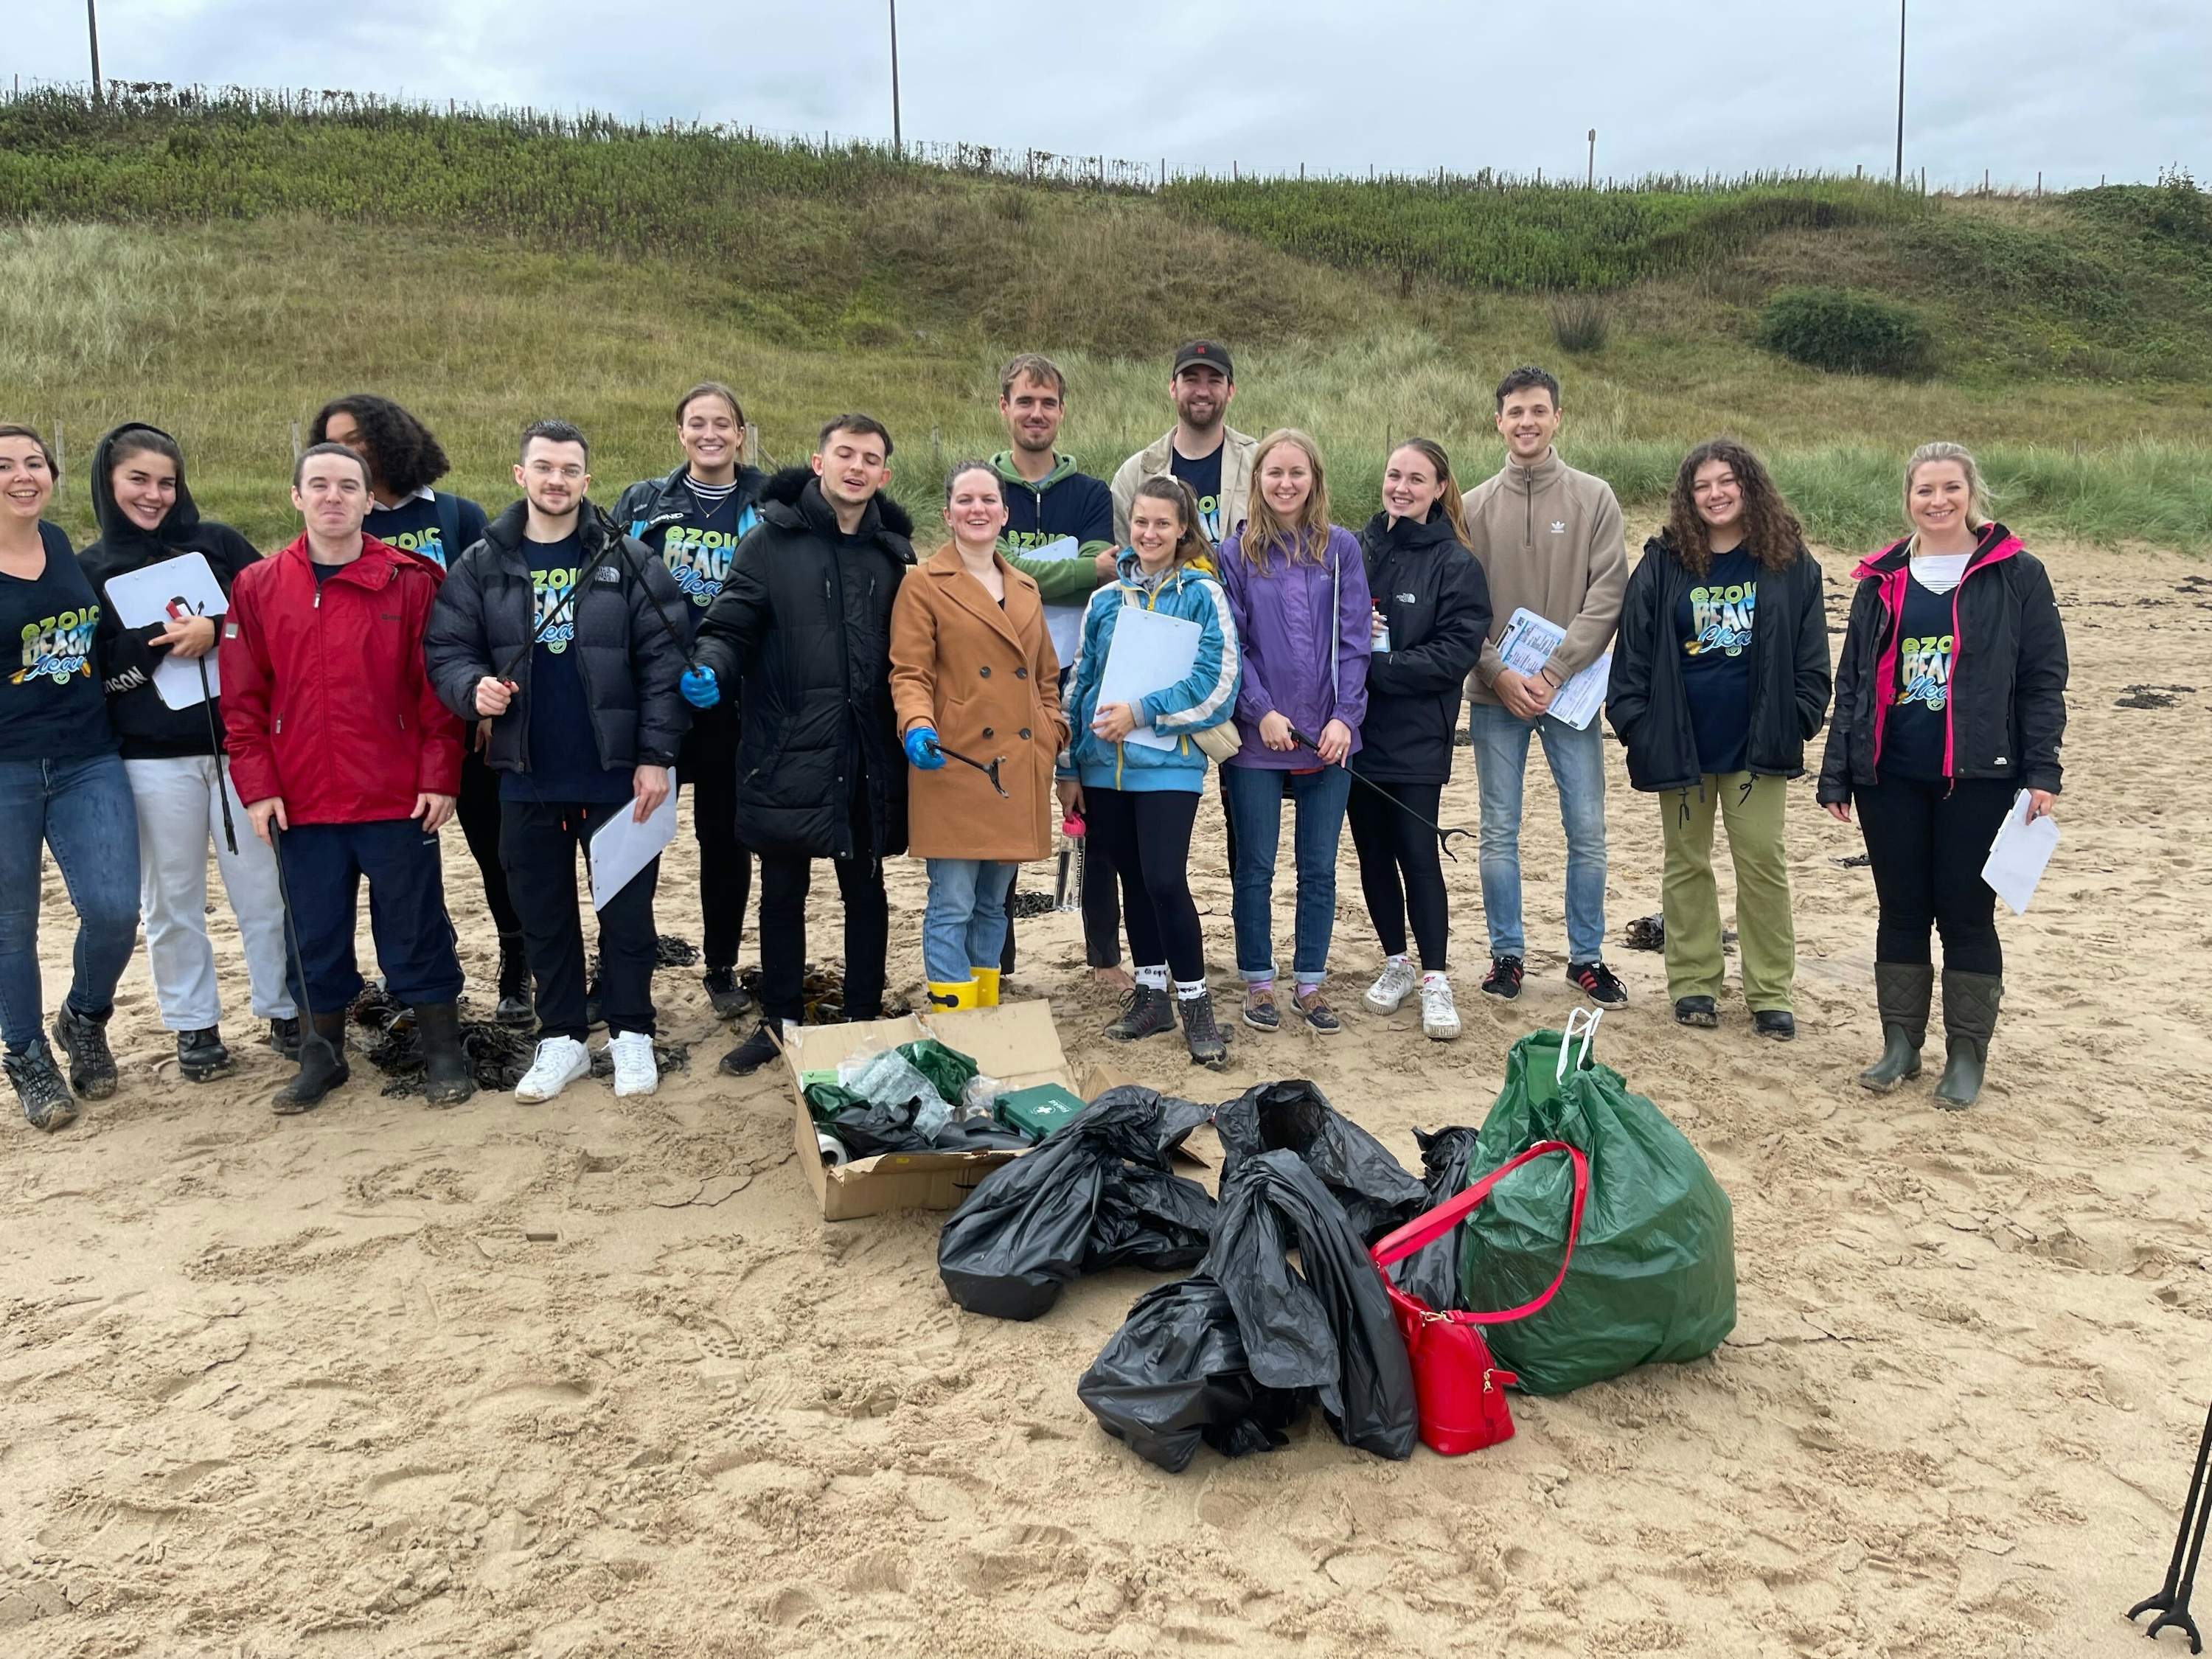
(1205, 696)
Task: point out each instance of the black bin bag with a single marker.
(1377, 1195)
(1320, 1333)
(1432, 1273)
(1098, 1194)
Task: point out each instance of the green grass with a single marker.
(221, 267)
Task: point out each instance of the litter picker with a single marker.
(2171, 1604)
(179, 610)
(990, 771)
(1444, 836)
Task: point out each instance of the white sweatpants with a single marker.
(179, 816)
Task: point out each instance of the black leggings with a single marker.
(709, 763)
(1145, 835)
(1927, 842)
(1392, 845)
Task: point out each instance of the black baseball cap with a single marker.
(1203, 351)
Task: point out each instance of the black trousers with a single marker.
(1145, 835)
(478, 808)
(1927, 842)
(1401, 869)
(709, 764)
(784, 884)
(538, 844)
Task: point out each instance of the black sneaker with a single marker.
(755, 1052)
(1596, 980)
(1700, 1011)
(1319, 1017)
(284, 1038)
(1146, 1013)
(730, 999)
(1777, 1022)
(201, 1054)
(1504, 980)
(83, 1038)
(45, 1098)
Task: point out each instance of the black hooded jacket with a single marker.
(1650, 707)
(802, 625)
(2005, 715)
(486, 614)
(149, 728)
(1431, 592)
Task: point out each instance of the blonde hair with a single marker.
(1455, 507)
(1306, 539)
(1979, 505)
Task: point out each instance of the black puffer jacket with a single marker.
(1649, 705)
(1436, 599)
(803, 624)
(149, 728)
(630, 662)
(2006, 704)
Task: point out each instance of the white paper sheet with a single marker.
(1151, 651)
(622, 847)
(1526, 645)
(2019, 855)
(1063, 621)
(142, 599)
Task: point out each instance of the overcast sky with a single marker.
(2072, 89)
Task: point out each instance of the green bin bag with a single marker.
(1653, 1273)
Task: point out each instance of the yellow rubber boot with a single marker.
(943, 999)
(986, 982)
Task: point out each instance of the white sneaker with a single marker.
(559, 1062)
(634, 1072)
(1439, 1018)
(1397, 983)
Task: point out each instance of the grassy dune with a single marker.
(220, 271)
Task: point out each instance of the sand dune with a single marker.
(586, 1378)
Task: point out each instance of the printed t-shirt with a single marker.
(564, 755)
(698, 548)
(51, 706)
(1203, 477)
(413, 527)
(1713, 620)
(1918, 718)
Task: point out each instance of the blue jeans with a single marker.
(1578, 762)
(963, 925)
(1254, 795)
(84, 810)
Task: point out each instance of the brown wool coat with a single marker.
(987, 680)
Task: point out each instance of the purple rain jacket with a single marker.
(1300, 660)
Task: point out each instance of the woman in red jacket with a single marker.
(348, 764)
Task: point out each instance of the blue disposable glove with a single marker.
(921, 748)
(699, 688)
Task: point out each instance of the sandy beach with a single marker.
(593, 1377)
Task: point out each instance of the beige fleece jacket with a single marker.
(1151, 461)
(1549, 539)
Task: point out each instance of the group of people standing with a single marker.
(776, 643)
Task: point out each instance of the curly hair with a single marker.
(402, 453)
(1771, 535)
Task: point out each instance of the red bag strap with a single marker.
(1427, 1229)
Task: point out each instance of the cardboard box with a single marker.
(1016, 1042)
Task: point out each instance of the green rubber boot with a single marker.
(1901, 992)
(1969, 1018)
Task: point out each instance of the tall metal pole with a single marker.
(91, 22)
(1593, 158)
(898, 140)
(1900, 93)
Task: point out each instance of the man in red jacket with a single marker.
(348, 764)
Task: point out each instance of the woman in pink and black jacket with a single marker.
(1950, 700)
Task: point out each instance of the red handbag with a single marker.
(1461, 1394)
